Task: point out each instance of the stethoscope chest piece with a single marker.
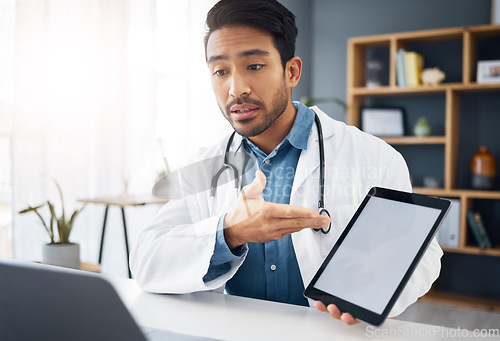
(323, 211)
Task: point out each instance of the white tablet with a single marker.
(372, 261)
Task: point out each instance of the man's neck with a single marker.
(272, 137)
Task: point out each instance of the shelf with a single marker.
(427, 35)
(400, 90)
(477, 87)
(475, 194)
(449, 107)
(462, 300)
(440, 88)
(474, 250)
(484, 30)
(469, 193)
(437, 192)
(415, 140)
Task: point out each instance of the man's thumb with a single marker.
(257, 186)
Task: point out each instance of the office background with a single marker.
(147, 95)
(324, 29)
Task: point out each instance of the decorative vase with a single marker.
(373, 68)
(65, 255)
(422, 127)
(483, 168)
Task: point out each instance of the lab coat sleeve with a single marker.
(429, 267)
(173, 254)
(220, 263)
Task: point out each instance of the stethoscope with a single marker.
(228, 166)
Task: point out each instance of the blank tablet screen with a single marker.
(373, 258)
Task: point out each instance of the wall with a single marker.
(335, 21)
(303, 11)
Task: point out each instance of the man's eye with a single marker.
(255, 67)
(220, 73)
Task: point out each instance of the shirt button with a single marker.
(273, 267)
(267, 161)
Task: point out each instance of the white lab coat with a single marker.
(173, 254)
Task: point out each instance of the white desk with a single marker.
(235, 318)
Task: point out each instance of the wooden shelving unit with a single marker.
(416, 140)
(357, 94)
(467, 301)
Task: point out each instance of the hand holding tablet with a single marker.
(336, 313)
(370, 264)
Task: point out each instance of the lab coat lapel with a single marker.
(309, 159)
(307, 243)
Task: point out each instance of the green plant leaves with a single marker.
(31, 209)
(63, 226)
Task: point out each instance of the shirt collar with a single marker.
(299, 134)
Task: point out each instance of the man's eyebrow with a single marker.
(216, 58)
(253, 53)
(243, 54)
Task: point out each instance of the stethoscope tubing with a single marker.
(321, 204)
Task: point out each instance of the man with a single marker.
(264, 244)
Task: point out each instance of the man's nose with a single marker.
(239, 87)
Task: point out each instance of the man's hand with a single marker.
(335, 313)
(257, 221)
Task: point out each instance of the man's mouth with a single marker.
(243, 111)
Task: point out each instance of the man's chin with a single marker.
(248, 131)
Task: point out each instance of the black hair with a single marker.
(267, 15)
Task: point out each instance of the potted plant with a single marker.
(60, 251)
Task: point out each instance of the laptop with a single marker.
(41, 302)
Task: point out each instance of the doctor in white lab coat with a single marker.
(173, 254)
(252, 82)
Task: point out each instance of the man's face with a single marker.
(247, 78)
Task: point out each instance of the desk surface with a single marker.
(236, 318)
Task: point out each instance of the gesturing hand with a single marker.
(257, 221)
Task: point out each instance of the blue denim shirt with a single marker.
(270, 270)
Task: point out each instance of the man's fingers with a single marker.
(320, 306)
(347, 318)
(289, 211)
(334, 311)
(254, 189)
(261, 177)
(297, 224)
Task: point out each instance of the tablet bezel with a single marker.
(357, 311)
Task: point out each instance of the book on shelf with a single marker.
(476, 225)
(400, 67)
(414, 63)
(448, 233)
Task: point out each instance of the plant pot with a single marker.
(66, 255)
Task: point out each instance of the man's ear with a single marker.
(293, 71)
